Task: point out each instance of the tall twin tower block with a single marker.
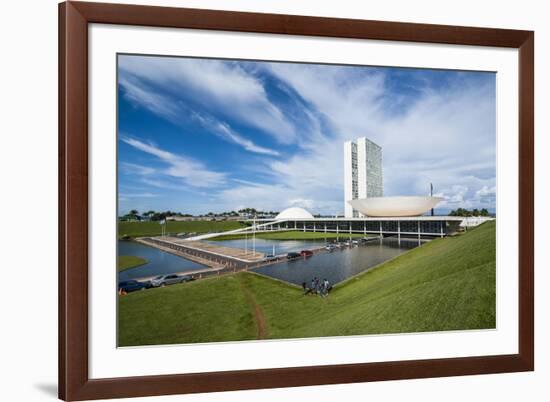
(362, 172)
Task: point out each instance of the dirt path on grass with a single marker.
(259, 318)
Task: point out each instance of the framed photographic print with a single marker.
(259, 200)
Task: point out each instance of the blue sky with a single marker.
(201, 135)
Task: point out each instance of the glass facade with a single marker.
(373, 162)
(354, 179)
(387, 227)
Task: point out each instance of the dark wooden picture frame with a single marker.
(74, 381)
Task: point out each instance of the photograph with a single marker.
(262, 200)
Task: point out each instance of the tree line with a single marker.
(158, 216)
(151, 215)
(466, 212)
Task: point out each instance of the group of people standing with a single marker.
(317, 287)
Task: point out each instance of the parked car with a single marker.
(163, 280)
(292, 255)
(306, 253)
(132, 285)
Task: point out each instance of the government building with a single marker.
(363, 176)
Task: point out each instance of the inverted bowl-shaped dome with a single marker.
(294, 213)
(395, 206)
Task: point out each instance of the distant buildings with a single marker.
(214, 218)
(362, 173)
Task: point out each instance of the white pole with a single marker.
(254, 237)
(399, 233)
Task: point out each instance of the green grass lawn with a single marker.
(447, 284)
(137, 229)
(129, 261)
(208, 310)
(292, 235)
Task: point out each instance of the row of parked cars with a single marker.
(132, 285)
(303, 253)
(328, 247)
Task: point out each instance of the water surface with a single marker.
(335, 266)
(267, 246)
(339, 264)
(159, 262)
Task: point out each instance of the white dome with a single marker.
(395, 206)
(294, 213)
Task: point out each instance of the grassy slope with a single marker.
(136, 229)
(292, 235)
(129, 261)
(446, 284)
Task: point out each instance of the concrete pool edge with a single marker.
(377, 266)
(345, 281)
(292, 285)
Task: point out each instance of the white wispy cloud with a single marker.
(175, 186)
(444, 135)
(225, 86)
(139, 94)
(137, 195)
(351, 100)
(133, 168)
(271, 197)
(176, 112)
(192, 172)
(224, 131)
